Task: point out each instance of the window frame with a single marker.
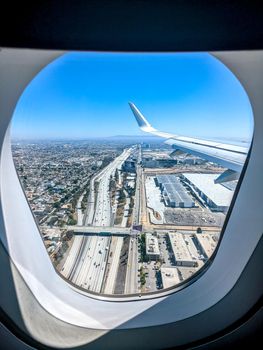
(49, 288)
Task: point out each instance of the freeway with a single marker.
(86, 262)
(103, 210)
(89, 272)
(131, 282)
(72, 255)
(137, 198)
(144, 214)
(99, 211)
(113, 262)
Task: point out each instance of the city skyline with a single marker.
(85, 95)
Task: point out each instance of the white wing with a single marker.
(226, 155)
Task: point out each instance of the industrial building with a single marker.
(170, 277)
(173, 192)
(149, 162)
(180, 251)
(207, 242)
(152, 247)
(216, 196)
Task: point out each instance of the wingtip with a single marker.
(142, 122)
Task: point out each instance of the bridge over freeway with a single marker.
(120, 231)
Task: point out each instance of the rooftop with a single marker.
(179, 247)
(174, 189)
(217, 193)
(170, 276)
(152, 247)
(208, 242)
(176, 193)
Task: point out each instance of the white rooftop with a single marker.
(152, 247)
(207, 242)
(170, 276)
(218, 193)
(179, 247)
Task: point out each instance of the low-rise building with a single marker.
(206, 242)
(170, 277)
(181, 253)
(152, 247)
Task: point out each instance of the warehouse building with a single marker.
(216, 196)
(165, 179)
(180, 251)
(173, 192)
(152, 247)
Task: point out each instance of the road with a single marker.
(86, 263)
(72, 256)
(99, 211)
(89, 214)
(113, 261)
(131, 282)
(79, 211)
(139, 185)
(143, 203)
(181, 228)
(137, 198)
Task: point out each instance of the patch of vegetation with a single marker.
(142, 277)
(142, 247)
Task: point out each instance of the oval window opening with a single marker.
(129, 162)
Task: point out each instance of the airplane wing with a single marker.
(229, 156)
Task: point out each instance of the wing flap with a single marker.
(225, 158)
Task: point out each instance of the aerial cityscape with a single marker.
(119, 217)
(123, 208)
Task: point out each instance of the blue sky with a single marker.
(82, 95)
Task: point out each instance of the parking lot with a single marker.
(193, 217)
(154, 201)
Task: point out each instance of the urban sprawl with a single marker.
(119, 216)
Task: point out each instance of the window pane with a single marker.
(123, 210)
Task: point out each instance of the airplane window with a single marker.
(129, 163)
